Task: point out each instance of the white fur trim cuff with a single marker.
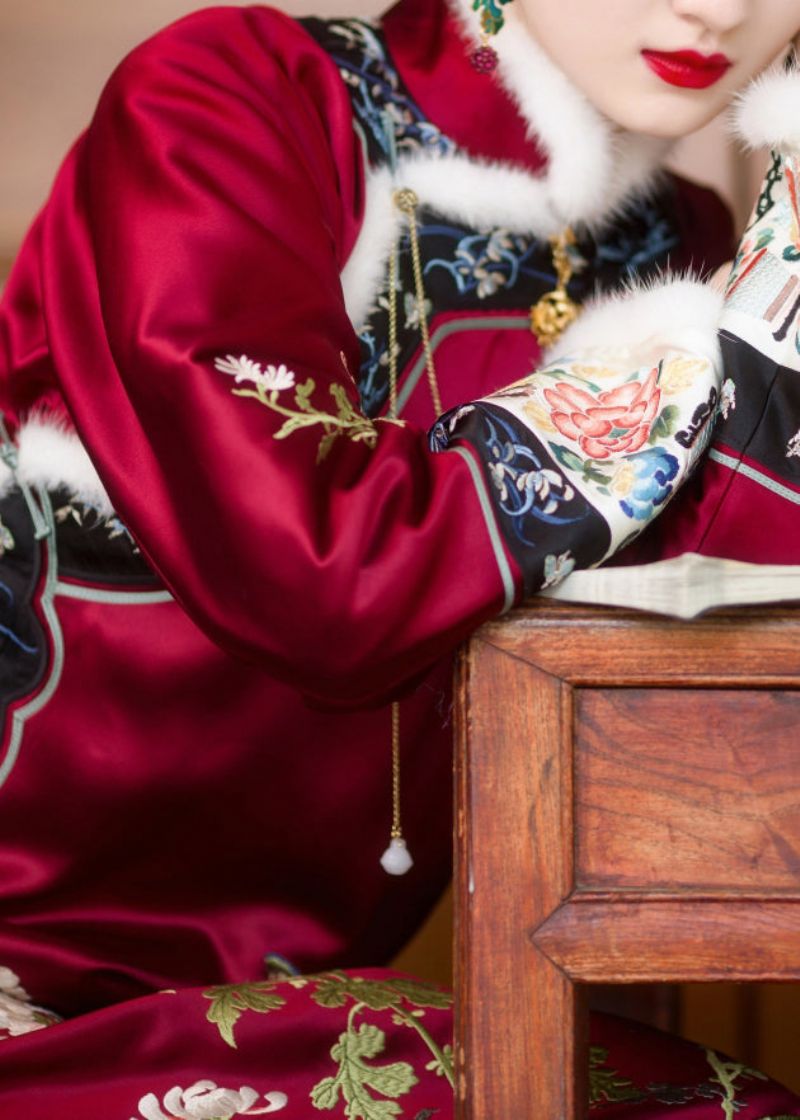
(679, 314)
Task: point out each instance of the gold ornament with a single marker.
(555, 311)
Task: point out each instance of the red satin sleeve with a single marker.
(208, 212)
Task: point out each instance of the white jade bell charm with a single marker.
(396, 860)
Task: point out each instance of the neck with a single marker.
(527, 113)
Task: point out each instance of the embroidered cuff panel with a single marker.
(582, 454)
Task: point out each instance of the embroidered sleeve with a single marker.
(191, 258)
(582, 454)
(743, 504)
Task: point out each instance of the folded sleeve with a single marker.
(191, 257)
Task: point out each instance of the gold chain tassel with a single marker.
(396, 860)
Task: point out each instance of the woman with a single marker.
(280, 254)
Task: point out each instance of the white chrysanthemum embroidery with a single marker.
(243, 368)
(17, 1014)
(727, 398)
(10, 985)
(793, 446)
(205, 1101)
(6, 544)
(18, 1018)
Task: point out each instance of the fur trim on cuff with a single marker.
(767, 114)
(676, 313)
(51, 456)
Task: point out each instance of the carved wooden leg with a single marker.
(521, 1031)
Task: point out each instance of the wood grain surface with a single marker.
(693, 788)
(628, 806)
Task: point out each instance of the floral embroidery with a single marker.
(228, 1001)
(7, 601)
(557, 568)
(679, 374)
(483, 263)
(606, 1085)
(528, 488)
(205, 1101)
(647, 236)
(609, 428)
(272, 381)
(607, 423)
(727, 398)
(378, 94)
(726, 1075)
(357, 1076)
(642, 482)
(6, 539)
(18, 1015)
(763, 284)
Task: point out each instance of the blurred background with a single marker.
(54, 58)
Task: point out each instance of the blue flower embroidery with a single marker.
(7, 600)
(485, 262)
(525, 486)
(654, 472)
(647, 237)
(377, 93)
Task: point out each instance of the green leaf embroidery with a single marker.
(606, 1084)
(566, 457)
(228, 1001)
(355, 1077)
(439, 1067)
(726, 1074)
(592, 473)
(335, 988)
(421, 994)
(665, 424)
(303, 393)
(346, 421)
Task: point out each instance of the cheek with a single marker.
(777, 25)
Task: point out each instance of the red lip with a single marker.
(688, 69)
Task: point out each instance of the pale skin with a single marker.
(599, 46)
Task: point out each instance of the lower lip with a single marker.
(678, 70)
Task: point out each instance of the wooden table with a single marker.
(628, 809)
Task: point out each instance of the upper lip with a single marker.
(693, 58)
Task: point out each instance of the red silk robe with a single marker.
(220, 564)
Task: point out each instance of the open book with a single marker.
(684, 586)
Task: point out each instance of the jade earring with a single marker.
(484, 58)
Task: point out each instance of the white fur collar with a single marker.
(592, 167)
(50, 455)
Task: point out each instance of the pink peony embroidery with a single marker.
(615, 422)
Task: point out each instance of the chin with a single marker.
(668, 120)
